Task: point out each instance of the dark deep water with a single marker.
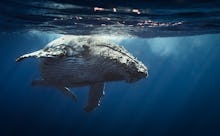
(180, 97)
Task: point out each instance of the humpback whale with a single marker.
(74, 61)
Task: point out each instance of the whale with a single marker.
(76, 61)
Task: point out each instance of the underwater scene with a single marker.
(110, 67)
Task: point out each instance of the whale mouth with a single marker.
(137, 77)
(133, 79)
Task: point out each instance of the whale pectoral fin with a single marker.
(95, 93)
(67, 92)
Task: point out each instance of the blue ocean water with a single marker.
(180, 96)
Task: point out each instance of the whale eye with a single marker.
(68, 50)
